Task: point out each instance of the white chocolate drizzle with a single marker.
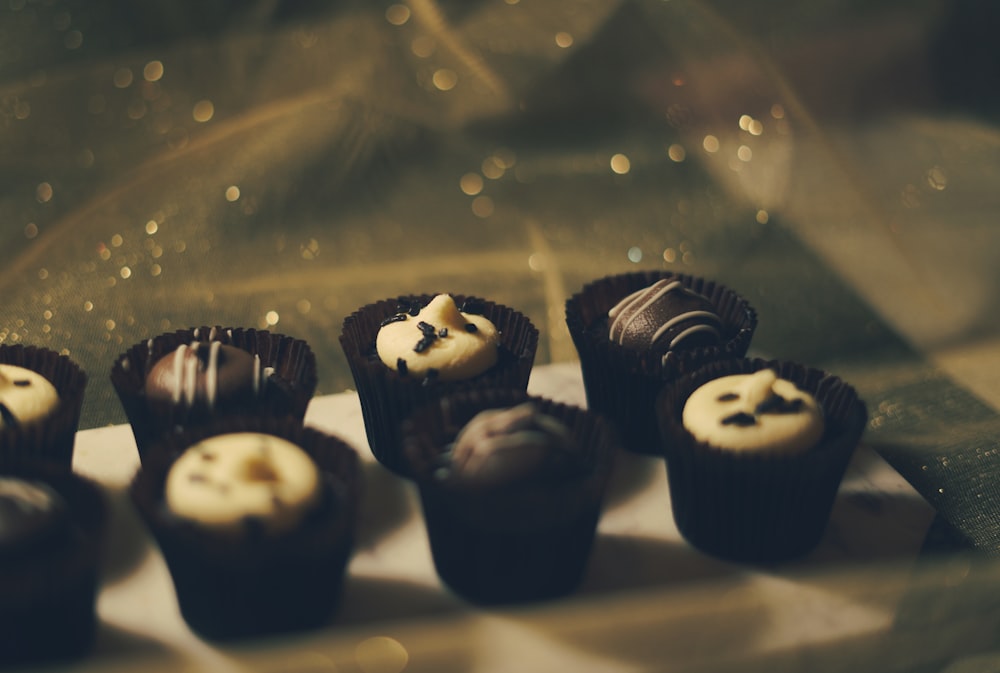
(178, 373)
(639, 301)
(657, 290)
(212, 374)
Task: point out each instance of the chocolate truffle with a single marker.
(511, 489)
(25, 396)
(503, 446)
(663, 317)
(208, 374)
(31, 514)
(52, 525)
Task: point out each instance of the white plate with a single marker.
(648, 600)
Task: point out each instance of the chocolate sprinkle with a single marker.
(425, 343)
(728, 397)
(21, 383)
(471, 328)
(401, 367)
(741, 419)
(776, 404)
(443, 332)
(398, 317)
(197, 478)
(426, 328)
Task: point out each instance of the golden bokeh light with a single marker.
(203, 111)
(445, 79)
(153, 71)
(44, 192)
(483, 206)
(493, 168)
(397, 14)
(122, 78)
(471, 184)
(937, 179)
(620, 164)
(564, 39)
(710, 143)
(676, 153)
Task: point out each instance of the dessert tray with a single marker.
(649, 600)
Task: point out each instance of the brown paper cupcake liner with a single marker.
(757, 507)
(622, 383)
(51, 440)
(388, 398)
(230, 587)
(48, 607)
(526, 543)
(287, 392)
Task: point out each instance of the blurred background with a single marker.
(278, 164)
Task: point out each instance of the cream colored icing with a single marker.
(25, 396)
(438, 342)
(753, 412)
(223, 481)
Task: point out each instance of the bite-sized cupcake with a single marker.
(755, 453)
(255, 519)
(511, 488)
(187, 378)
(635, 331)
(52, 525)
(409, 351)
(41, 395)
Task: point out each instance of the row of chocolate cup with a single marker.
(52, 591)
(512, 557)
(49, 581)
(757, 507)
(772, 506)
